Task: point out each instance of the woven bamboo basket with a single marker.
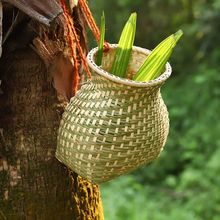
(113, 125)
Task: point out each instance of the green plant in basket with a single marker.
(101, 41)
(123, 51)
(155, 62)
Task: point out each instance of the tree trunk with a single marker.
(33, 184)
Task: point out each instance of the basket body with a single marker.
(113, 125)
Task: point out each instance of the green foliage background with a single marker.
(184, 183)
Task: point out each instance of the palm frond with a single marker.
(124, 48)
(157, 59)
(101, 41)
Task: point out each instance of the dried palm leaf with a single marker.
(41, 10)
(11, 28)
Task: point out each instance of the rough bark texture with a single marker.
(33, 184)
(1, 16)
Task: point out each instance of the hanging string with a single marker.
(74, 39)
(91, 22)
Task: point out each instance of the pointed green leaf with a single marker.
(101, 41)
(123, 51)
(157, 59)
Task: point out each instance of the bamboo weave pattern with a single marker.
(113, 125)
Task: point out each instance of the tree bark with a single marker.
(1, 16)
(33, 184)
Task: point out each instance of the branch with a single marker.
(41, 10)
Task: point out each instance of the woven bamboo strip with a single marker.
(113, 125)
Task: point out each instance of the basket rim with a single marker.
(158, 81)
